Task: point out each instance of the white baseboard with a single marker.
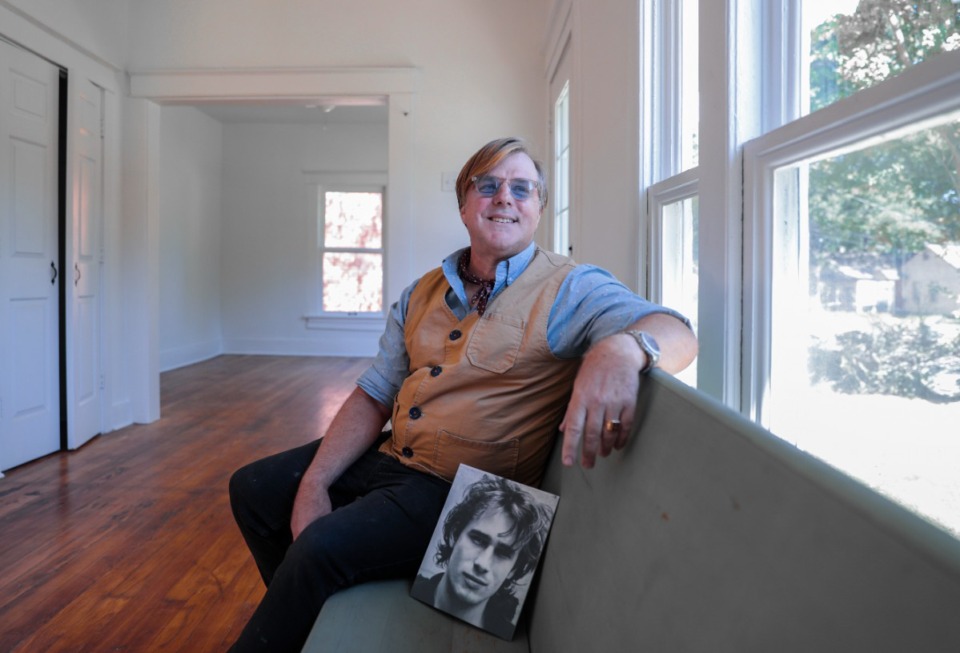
(172, 358)
(351, 345)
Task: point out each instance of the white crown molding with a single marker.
(359, 85)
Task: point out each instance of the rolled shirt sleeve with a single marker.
(382, 380)
(591, 305)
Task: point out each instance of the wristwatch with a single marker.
(649, 347)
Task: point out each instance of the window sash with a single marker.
(320, 182)
(901, 104)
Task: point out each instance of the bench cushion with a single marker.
(382, 616)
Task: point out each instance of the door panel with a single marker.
(29, 274)
(83, 334)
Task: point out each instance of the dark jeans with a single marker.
(383, 517)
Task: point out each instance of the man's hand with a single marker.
(605, 389)
(353, 430)
(607, 383)
(310, 505)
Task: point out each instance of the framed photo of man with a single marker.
(485, 549)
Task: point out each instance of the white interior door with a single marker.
(84, 260)
(29, 263)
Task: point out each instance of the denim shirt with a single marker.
(590, 305)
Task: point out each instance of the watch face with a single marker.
(652, 347)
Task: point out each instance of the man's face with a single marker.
(502, 226)
(482, 557)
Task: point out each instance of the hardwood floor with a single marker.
(128, 544)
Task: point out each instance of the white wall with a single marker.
(602, 42)
(481, 74)
(610, 133)
(480, 65)
(191, 162)
(94, 28)
(269, 267)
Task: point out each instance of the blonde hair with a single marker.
(488, 157)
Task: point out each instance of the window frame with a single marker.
(903, 103)
(661, 110)
(320, 183)
(678, 188)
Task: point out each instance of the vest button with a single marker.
(415, 413)
(407, 452)
(455, 334)
(436, 371)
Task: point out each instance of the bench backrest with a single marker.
(709, 534)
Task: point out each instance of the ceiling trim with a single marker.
(361, 84)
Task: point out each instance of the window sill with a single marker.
(345, 322)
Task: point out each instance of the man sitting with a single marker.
(481, 362)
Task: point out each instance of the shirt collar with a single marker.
(507, 271)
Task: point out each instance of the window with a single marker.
(852, 45)
(672, 99)
(674, 258)
(866, 316)
(351, 251)
(819, 218)
(689, 70)
(852, 226)
(561, 167)
(563, 225)
(671, 88)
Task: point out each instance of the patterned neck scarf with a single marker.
(486, 285)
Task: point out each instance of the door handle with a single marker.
(53, 278)
(76, 278)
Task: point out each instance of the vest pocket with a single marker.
(498, 458)
(495, 343)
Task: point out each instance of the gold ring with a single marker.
(611, 425)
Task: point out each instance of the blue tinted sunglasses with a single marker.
(488, 186)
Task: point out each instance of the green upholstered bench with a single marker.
(705, 534)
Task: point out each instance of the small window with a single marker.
(351, 251)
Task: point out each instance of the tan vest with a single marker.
(484, 391)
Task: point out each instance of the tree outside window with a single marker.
(865, 312)
(351, 251)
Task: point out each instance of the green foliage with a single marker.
(879, 205)
(882, 38)
(882, 203)
(894, 359)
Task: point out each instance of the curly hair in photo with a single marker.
(530, 519)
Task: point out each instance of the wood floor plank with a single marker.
(128, 544)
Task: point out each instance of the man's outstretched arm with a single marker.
(606, 386)
(354, 429)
